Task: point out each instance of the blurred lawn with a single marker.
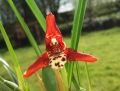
(104, 73)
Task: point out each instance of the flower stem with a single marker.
(59, 80)
(78, 72)
(42, 86)
(22, 84)
(88, 77)
(26, 30)
(76, 33)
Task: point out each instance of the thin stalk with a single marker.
(78, 72)
(21, 82)
(27, 31)
(59, 80)
(88, 77)
(38, 14)
(25, 27)
(9, 70)
(64, 78)
(77, 86)
(41, 82)
(76, 33)
(30, 37)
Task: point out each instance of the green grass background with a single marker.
(104, 74)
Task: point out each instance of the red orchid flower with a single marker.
(56, 54)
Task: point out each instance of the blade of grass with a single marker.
(88, 77)
(77, 86)
(34, 44)
(38, 14)
(8, 69)
(59, 79)
(3, 87)
(10, 84)
(49, 79)
(76, 32)
(40, 80)
(21, 82)
(27, 32)
(25, 27)
(64, 78)
(78, 73)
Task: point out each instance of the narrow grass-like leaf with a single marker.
(77, 86)
(59, 79)
(78, 73)
(76, 32)
(34, 44)
(38, 14)
(21, 82)
(88, 77)
(49, 79)
(3, 87)
(25, 27)
(10, 72)
(64, 77)
(27, 32)
(13, 86)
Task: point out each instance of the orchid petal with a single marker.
(51, 27)
(73, 55)
(41, 62)
(53, 33)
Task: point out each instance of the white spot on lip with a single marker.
(54, 41)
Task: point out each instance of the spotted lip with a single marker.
(57, 61)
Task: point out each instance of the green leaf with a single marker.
(38, 14)
(34, 45)
(21, 82)
(27, 32)
(77, 86)
(88, 77)
(3, 87)
(25, 28)
(1, 79)
(50, 82)
(76, 32)
(12, 85)
(64, 77)
(10, 72)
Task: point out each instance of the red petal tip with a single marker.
(49, 13)
(41, 62)
(74, 55)
(92, 59)
(25, 75)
